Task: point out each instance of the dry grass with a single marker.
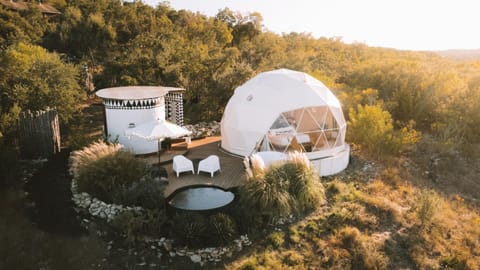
(385, 223)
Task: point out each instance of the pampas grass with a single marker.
(91, 153)
(106, 171)
(282, 188)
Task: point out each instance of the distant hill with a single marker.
(473, 54)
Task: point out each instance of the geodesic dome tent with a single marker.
(285, 110)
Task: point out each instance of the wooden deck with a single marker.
(232, 174)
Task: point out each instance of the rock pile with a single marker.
(96, 207)
(204, 129)
(209, 254)
(100, 209)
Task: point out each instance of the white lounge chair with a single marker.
(182, 164)
(211, 164)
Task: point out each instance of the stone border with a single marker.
(100, 209)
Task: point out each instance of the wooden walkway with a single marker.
(232, 174)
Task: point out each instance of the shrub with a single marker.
(391, 176)
(281, 189)
(340, 191)
(196, 229)
(102, 169)
(250, 264)
(304, 183)
(190, 228)
(135, 225)
(222, 229)
(363, 252)
(349, 213)
(267, 196)
(276, 239)
(89, 154)
(292, 258)
(294, 235)
(372, 128)
(454, 262)
(147, 193)
(78, 136)
(426, 206)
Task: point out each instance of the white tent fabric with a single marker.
(256, 105)
(157, 130)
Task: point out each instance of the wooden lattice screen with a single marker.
(39, 133)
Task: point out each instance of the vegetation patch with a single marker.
(106, 172)
(403, 105)
(375, 225)
(281, 189)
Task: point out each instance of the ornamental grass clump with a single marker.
(91, 153)
(191, 228)
(304, 183)
(103, 170)
(222, 229)
(283, 188)
(268, 195)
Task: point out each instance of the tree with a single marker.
(84, 31)
(27, 26)
(34, 79)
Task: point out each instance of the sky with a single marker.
(399, 24)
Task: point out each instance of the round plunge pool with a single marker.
(200, 198)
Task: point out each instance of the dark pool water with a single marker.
(201, 198)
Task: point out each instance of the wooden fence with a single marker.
(39, 133)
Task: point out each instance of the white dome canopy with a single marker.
(283, 110)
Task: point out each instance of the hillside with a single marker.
(461, 54)
(409, 199)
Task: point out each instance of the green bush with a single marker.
(363, 252)
(349, 213)
(222, 229)
(371, 128)
(190, 228)
(102, 169)
(250, 264)
(147, 193)
(276, 239)
(425, 208)
(454, 262)
(293, 258)
(198, 230)
(135, 226)
(78, 135)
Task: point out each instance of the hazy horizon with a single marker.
(404, 25)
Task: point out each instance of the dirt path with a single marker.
(49, 192)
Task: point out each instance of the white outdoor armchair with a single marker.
(182, 164)
(211, 164)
